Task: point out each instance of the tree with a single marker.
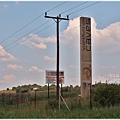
(8, 89)
(13, 88)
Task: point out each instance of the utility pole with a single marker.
(58, 19)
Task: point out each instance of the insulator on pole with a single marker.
(45, 13)
(59, 15)
(67, 16)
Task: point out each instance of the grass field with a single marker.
(38, 105)
(45, 109)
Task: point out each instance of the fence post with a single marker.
(35, 98)
(3, 99)
(17, 98)
(48, 92)
(0, 99)
(9, 98)
(90, 97)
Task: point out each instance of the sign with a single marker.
(51, 76)
(85, 56)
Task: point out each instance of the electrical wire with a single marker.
(83, 8)
(20, 29)
(29, 37)
(57, 6)
(53, 23)
(73, 7)
(30, 23)
(26, 34)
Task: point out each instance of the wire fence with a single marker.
(33, 97)
(19, 98)
(14, 98)
(27, 97)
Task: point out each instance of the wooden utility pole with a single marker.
(58, 19)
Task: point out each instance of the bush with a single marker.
(23, 90)
(65, 89)
(106, 94)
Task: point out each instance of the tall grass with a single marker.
(79, 108)
(45, 109)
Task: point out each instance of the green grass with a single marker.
(50, 110)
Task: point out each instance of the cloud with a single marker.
(71, 35)
(14, 67)
(5, 56)
(106, 40)
(25, 81)
(39, 45)
(33, 44)
(109, 67)
(36, 69)
(114, 75)
(17, 2)
(47, 58)
(37, 38)
(35, 41)
(8, 78)
(109, 78)
(17, 67)
(101, 79)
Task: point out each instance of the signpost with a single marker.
(85, 56)
(51, 76)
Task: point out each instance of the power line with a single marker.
(39, 16)
(30, 23)
(52, 24)
(26, 34)
(34, 20)
(29, 37)
(20, 29)
(83, 8)
(27, 25)
(73, 7)
(57, 6)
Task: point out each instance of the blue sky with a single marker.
(27, 62)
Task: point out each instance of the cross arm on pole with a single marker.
(56, 18)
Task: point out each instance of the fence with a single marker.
(27, 97)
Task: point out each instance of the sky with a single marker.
(28, 41)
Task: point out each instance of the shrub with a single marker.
(106, 94)
(23, 90)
